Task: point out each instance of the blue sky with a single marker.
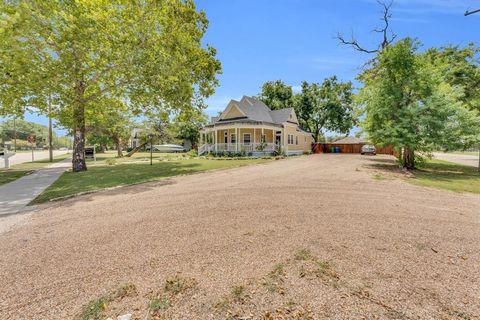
(293, 40)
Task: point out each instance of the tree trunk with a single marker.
(478, 159)
(119, 147)
(408, 158)
(134, 150)
(78, 155)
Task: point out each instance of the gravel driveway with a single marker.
(304, 238)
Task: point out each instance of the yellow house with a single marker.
(249, 126)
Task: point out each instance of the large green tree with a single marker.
(327, 106)
(112, 123)
(460, 67)
(147, 53)
(409, 104)
(186, 125)
(276, 95)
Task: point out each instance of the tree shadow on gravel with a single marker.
(433, 173)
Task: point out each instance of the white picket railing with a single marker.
(232, 147)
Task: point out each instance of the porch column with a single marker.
(261, 137)
(237, 136)
(285, 140)
(215, 139)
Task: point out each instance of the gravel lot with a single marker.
(304, 238)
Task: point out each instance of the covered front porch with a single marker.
(247, 139)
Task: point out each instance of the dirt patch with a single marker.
(306, 238)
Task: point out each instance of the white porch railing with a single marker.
(232, 147)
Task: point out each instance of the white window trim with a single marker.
(250, 140)
(233, 138)
(296, 140)
(290, 139)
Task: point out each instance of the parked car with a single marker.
(368, 149)
(166, 148)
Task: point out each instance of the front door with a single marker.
(278, 138)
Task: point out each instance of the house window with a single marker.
(233, 138)
(264, 138)
(296, 140)
(305, 139)
(290, 139)
(225, 137)
(246, 139)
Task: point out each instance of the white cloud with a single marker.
(297, 89)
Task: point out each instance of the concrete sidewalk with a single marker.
(15, 196)
(465, 159)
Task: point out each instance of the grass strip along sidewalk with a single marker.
(124, 174)
(19, 170)
(447, 175)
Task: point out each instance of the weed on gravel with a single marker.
(94, 310)
(158, 304)
(303, 254)
(177, 285)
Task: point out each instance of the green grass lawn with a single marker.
(447, 175)
(105, 176)
(7, 176)
(19, 170)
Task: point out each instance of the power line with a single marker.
(467, 13)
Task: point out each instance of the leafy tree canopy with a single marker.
(410, 105)
(460, 67)
(112, 123)
(276, 95)
(77, 53)
(319, 107)
(326, 106)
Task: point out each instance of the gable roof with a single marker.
(282, 115)
(350, 140)
(256, 110)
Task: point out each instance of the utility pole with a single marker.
(467, 13)
(14, 135)
(50, 133)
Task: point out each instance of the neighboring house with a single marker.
(250, 126)
(134, 140)
(350, 140)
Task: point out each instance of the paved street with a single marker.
(22, 157)
(465, 159)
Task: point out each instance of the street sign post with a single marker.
(6, 155)
(31, 139)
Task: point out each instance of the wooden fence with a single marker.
(349, 148)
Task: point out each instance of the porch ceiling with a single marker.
(241, 125)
